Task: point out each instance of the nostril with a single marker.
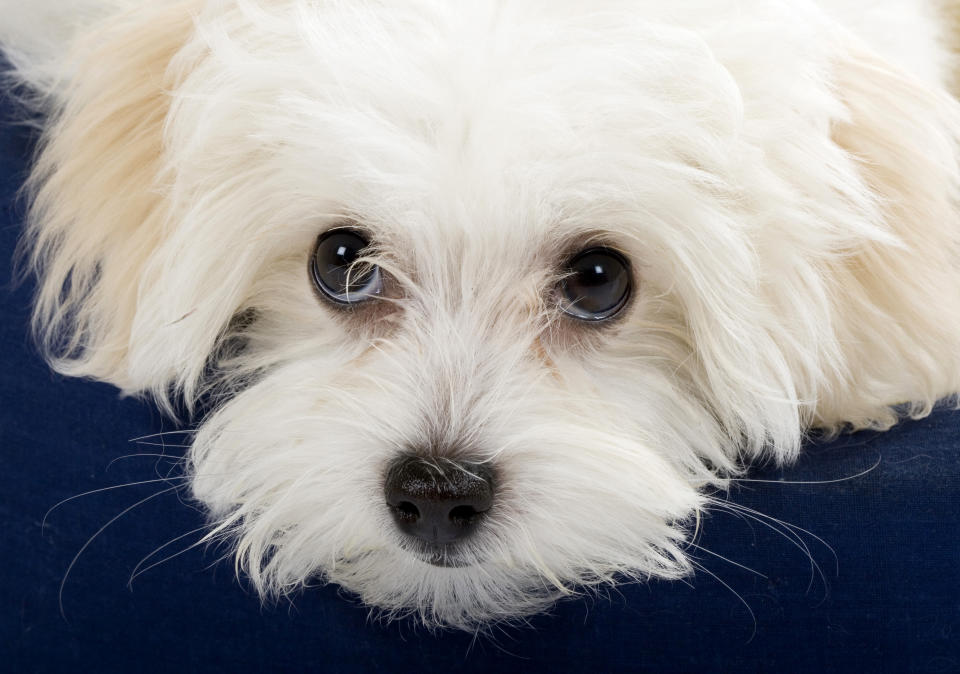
(407, 511)
(464, 515)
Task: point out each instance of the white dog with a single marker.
(488, 293)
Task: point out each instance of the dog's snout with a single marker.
(438, 502)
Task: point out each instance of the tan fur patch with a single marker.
(98, 209)
(902, 135)
(950, 11)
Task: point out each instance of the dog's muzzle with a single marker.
(438, 503)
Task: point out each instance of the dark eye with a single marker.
(597, 285)
(336, 272)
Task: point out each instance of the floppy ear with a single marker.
(878, 312)
(897, 306)
(98, 207)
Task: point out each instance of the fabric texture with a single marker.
(847, 561)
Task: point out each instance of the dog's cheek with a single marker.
(290, 471)
(612, 437)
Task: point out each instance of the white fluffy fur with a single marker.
(783, 175)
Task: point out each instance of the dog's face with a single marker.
(472, 418)
(482, 295)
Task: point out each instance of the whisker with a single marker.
(160, 435)
(791, 527)
(161, 444)
(790, 535)
(733, 513)
(840, 479)
(138, 571)
(43, 523)
(90, 540)
(139, 454)
(736, 594)
(789, 532)
(729, 561)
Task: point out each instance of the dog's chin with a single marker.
(442, 556)
(447, 562)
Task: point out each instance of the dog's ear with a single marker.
(902, 133)
(876, 321)
(895, 292)
(97, 195)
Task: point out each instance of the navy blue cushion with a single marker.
(859, 574)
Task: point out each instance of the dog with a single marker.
(475, 302)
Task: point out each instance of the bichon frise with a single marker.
(486, 295)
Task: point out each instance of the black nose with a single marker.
(438, 502)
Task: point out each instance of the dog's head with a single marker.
(483, 297)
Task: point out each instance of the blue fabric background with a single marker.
(888, 601)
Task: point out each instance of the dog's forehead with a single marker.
(466, 108)
(503, 122)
